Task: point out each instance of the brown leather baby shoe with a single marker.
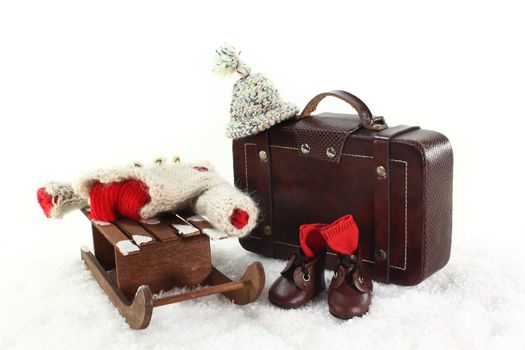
(350, 292)
(301, 280)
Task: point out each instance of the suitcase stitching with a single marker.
(424, 163)
(284, 147)
(351, 155)
(406, 209)
(406, 212)
(246, 164)
(356, 155)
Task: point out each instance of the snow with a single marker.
(140, 239)
(126, 247)
(214, 233)
(52, 302)
(185, 229)
(85, 85)
(101, 223)
(176, 291)
(196, 218)
(152, 221)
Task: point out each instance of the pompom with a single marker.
(227, 62)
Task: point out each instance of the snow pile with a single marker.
(51, 301)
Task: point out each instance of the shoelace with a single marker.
(300, 261)
(349, 261)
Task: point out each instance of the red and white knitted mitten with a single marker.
(57, 199)
(140, 193)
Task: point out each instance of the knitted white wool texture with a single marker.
(173, 186)
(256, 104)
(227, 62)
(65, 199)
(217, 204)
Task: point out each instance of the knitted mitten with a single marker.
(228, 209)
(342, 235)
(140, 193)
(57, 199)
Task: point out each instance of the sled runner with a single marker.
(133, 260)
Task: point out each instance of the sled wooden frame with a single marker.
(131, 272)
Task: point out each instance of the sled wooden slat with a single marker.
(116, 237)
(201, 223)
(205, 227)
(162, 231)
(183, 227)
(135, 231)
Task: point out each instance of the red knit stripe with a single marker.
(110, 201)
(133, 196)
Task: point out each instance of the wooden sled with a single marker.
(133, 260)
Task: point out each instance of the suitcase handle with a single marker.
(365, 116)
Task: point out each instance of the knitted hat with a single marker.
(256, 104)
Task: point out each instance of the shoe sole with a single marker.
(347, 318)
(292, 307)
(286, 307)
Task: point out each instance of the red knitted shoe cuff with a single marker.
(311, 240)
(342, 235)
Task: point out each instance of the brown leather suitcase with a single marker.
(395, 181)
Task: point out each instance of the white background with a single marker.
(87, 84)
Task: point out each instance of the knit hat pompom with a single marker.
(227, 62)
